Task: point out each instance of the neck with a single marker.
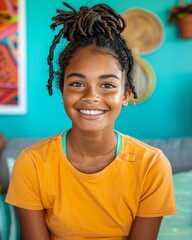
(94, 144)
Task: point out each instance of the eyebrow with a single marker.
(108, 76)
(105, 76)
(76, 75)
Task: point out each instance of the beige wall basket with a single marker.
(144, 31)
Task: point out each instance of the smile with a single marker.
(91, 112)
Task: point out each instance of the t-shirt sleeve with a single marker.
(24, 190)
(157, 194)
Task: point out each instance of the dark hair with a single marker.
(99, 25)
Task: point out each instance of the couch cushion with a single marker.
(179, 226)
(12, 149)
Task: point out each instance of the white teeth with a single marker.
(91, 112)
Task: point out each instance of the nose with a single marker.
(90, 95)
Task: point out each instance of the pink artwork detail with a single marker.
(8, 52)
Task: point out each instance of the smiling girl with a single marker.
(92, 182)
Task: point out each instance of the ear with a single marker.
(126, 97)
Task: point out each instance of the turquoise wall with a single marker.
(166, 114)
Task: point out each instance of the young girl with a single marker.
(92, 182)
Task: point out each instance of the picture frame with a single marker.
(12, 57)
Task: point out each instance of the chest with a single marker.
(90, 164)
(89, 206)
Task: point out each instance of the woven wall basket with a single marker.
(144, 31)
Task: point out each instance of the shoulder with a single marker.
(138, 147)
(143, 154)
(41, 151)
(45, 143)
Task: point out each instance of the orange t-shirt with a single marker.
(100, 205)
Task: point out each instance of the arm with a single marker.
(33, 226)
(145, 228)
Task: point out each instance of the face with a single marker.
(93, 91)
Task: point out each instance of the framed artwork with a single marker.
(12, 57)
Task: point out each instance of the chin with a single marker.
(90, 130)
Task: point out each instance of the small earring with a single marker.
(125, 103)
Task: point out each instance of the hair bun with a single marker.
(99, 19)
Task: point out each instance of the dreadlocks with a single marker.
(99, 25)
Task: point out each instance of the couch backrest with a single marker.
(178, 151)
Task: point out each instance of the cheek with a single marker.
(70, 99)
(68, 106)
(115, 98)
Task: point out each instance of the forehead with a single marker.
(94, 57)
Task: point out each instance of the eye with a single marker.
(107, 85)
(76, 84)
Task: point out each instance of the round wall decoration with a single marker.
(144, 31)
(144, 80)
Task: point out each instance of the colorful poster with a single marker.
(12, 57)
